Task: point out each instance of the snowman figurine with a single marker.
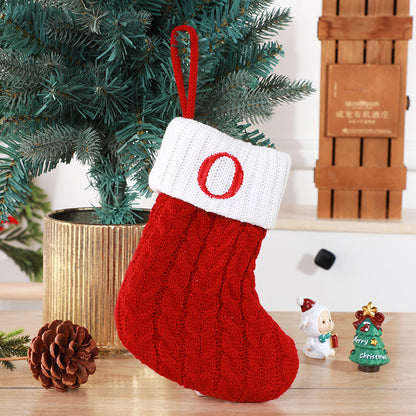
(317, 325)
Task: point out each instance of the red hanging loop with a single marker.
(187, 103)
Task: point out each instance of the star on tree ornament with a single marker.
(369, 310)
(374, 342)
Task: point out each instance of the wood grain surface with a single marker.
(123, 386)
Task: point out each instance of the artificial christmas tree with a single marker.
(93, 80)
(369, 352)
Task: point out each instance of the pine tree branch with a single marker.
(126, 30)
(19, 68)
(259, 59)
(257, 6)
(12, 346)
(22, 72)
(53, 144)
(63, 94)
(153, 6)
(110, 95)
(139, 151)
(33, 212)
(15, 100)
(9, 123)
(269, 23)
(283, 90)
(109, 177)
(19, 239)
(14, 181)
(93, 18)
(58, 143)
(75, 6)
(242, 132)
(229, 25)
(29, 261)
(66, 31)
(16, 25)
(87, 145)
(237, 97)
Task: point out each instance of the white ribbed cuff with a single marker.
(209, 169)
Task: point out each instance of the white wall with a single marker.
(368, 267)
(294, 128)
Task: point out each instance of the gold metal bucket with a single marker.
(83, 267)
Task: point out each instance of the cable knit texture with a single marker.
(188, 307)
(189, 145)
(189, 310)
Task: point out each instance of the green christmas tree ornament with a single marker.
(93, 80)
(369, 352)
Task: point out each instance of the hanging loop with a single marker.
(187, 102)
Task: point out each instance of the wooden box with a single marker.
(360, 171)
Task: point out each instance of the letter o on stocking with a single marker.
(206, 167)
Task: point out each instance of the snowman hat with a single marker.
(310, 311)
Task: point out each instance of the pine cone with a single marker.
(62, 355)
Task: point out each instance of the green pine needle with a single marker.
(256, 6)
(21, 242)
(13, 344)
(29, 261)
(61, 143)
(283, 90)
(268, 23)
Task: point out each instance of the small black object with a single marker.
(324, 259)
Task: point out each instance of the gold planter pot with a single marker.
(83, 267)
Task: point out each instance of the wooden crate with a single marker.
(360, 171)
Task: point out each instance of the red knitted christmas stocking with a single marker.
(188, 307)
